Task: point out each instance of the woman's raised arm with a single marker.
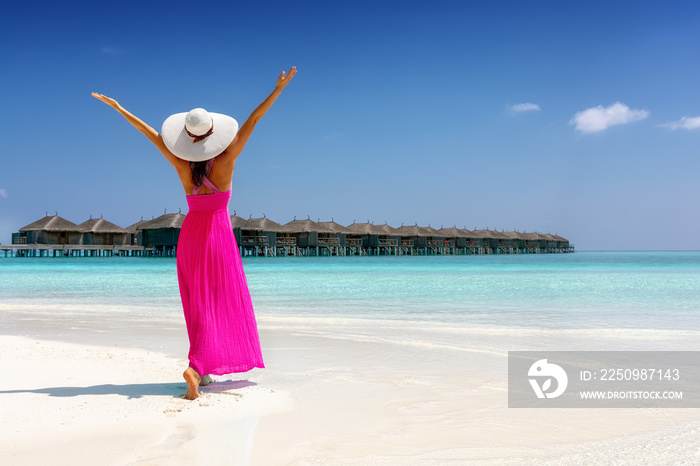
(246, 129)
(149, 132)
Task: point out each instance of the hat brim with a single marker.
(180, 143)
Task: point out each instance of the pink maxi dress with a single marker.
(218, 310)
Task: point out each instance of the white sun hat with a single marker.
(198, 135)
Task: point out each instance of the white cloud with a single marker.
(599, 118)
(3, 193)
(526, 107)
(684, 123)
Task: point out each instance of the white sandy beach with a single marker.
(335, 391)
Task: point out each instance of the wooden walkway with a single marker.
(291, 249)
(284, 247)
(75, 250)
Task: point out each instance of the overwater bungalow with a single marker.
(506, 243)
(551, 244)
(517, 241)
(562, 244)
(490, 240)
(133, 233)
(238, 224)
(555, 243)
(98, 231)
(473, 242)
(162, 233)
(335, 242)
(264, 237)
(306, 236)
(455, 240)
(420, 240)
(51, 229)
(258, 237)
(387, 239)
(535, 243)
(357, 238)
(410, 239)
(434, 240)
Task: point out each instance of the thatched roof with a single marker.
(513, 234)
(51, 223)
(451, 233)
(488, 234)
(551, 237)
(429, 231)
(164, 221)
(335, 227)
(261, 224)
(239, 222)
(414, 230)
(384, 230)
(360, 229)
(305, 226)
(371, 229)
(54, 223)
(408, 230)
(533, 236)
(136, 226)
(100, 225)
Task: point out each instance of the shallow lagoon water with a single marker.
(654, 290)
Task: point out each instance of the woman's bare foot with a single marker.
(206, 380)
(192, 379)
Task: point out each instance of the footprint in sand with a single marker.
(237, 395)
(209, 396)
(175, 406)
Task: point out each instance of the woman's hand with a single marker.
(246, 129)
(111, 102)
(284, 80)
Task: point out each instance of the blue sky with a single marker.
(576, 118)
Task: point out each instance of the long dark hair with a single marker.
(197, 171)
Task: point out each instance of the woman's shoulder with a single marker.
(223, 165)
(225, 159)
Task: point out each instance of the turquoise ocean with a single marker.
(653, 290)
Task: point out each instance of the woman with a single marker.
(221, 326)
